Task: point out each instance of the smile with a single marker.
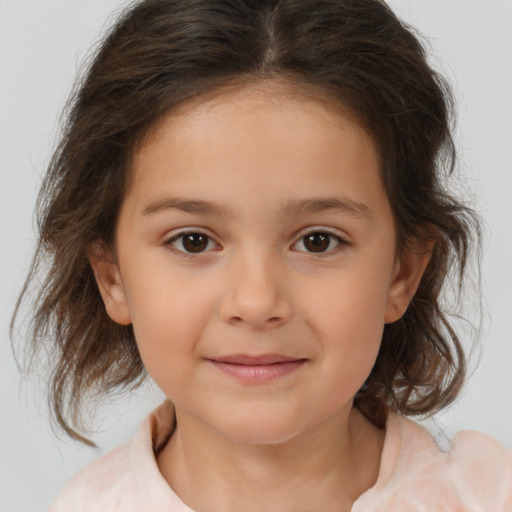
(257, 369)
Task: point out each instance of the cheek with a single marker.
(350, 347)
(351, 337)
(352, 299)
(347, 315)
(168, 318)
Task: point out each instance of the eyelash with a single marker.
(341, 242)
(181, 236)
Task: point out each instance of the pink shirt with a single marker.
(415, 475)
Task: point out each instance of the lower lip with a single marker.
(258, 373)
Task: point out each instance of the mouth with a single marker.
(257, 369)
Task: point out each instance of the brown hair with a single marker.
(163, 52)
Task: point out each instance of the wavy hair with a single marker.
(161, 53)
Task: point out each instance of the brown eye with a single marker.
(318, 242)
(192, 242)
(195, 242)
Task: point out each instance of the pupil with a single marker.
(316, 242)
(195, 242)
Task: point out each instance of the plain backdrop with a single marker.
(41, 45)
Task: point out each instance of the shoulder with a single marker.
(483, 468)
(416, 475)
(104, 480)
(127, 479)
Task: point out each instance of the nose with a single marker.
(255, 294)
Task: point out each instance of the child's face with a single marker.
(256, 261)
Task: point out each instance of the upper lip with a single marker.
(249, 360)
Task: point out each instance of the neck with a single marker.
(325, 468)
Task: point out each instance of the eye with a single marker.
(319, 242)
(192, 242)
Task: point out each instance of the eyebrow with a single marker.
(325, 204)
(195, 206)
(294, 207)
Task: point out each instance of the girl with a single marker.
(248, 205)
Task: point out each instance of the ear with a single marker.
(407, 274)
(110, 284)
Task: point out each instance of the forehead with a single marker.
(242, 140)
(279, 93)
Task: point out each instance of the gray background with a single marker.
(41, 45)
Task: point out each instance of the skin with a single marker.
(277, 166)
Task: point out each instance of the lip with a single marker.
(257, 369)
(263, 359)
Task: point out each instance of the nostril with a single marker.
(275, 320)
(257, 308)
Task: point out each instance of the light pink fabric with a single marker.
(415, 475)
